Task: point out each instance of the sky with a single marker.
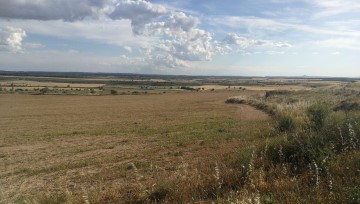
(185, 37)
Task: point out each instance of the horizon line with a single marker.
(192, 75)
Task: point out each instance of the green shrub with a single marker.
(286, 123)
(317, 114)
(113, 92)
(300, 149)
(262, 106)
(187, 88)
(347, 106)
(235, 100)
(273, 93)
(242, 161)
(44, 90)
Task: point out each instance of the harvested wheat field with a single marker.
(120, 148)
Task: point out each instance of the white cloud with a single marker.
(139, 12)
(128, 49)
(247, 53)
(104, 31)
(167, 61)
(33, 46)
(68, 10)
(272, 52)
(196, 46)
(276, 26)
(171, 38)
(326, 8)
(162, 30)
(180, 39)
(181, 21)
(122, 60)
(11, 39)
(221, 49)
(334, 7)
(243, 42)
(343, 43)
(71, 60)
(240, 41)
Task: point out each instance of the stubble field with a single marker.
(75, 146)
(166, 139)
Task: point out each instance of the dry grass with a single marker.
(178, 146)
(253, 88)
(68, 145)
(273, 88)
(215, 87)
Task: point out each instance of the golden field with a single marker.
(55, 144)
(192, 142)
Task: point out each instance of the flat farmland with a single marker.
(120, 148)
(147, 139)
(24, 84)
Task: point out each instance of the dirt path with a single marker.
(246, 112)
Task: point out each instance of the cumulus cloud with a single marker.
(179, 38)
(195, 46)
(11, 39)
(234, 39)
(168, 61)
(177, 24)
(173, 37)
(179, 21)
(139, 12)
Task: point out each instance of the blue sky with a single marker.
(193, 37)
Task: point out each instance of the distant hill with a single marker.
(155, 76)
